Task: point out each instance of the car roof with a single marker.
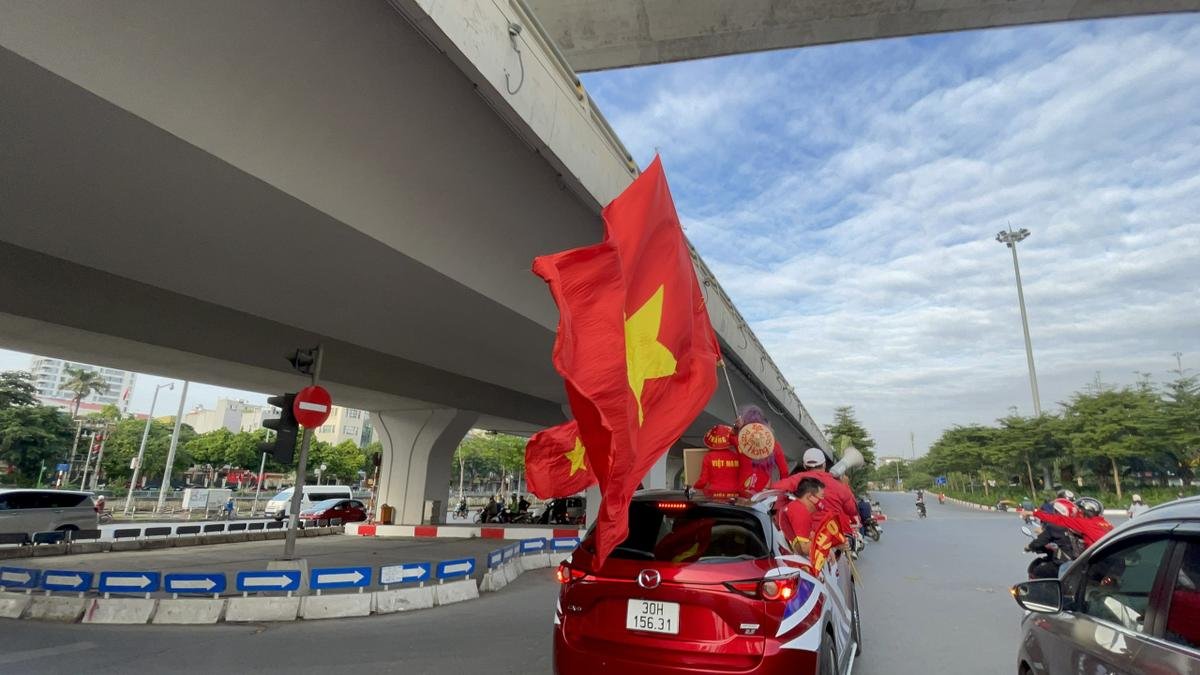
(57, 492)
(1170, 513)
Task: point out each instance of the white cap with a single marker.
(814, 457)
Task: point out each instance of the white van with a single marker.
(278, 507)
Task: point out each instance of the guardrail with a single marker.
(263, 595)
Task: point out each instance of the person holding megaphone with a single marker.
(838, 495)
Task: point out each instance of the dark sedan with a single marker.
(1130, 604)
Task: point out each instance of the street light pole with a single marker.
(1010, 239)
(137, 467)
(166, 482)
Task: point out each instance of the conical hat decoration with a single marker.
(756, 441)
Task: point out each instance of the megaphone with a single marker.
(851, 458)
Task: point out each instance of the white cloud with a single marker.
(852, 216)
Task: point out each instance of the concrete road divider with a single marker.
(12, 605)
(455, 591)
(189, 611)
(118, 610)
(262, 609)
(403, 600)
(536, 561)
(335, 606)
(55, 608)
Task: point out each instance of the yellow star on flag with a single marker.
(576, 456)
(645, 357)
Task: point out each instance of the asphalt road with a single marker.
(934, 600)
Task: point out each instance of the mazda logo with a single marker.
(649, 578)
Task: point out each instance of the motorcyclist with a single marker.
(1059, 546)
(1083, 517)
(523, 505)
(1137, 508)
(921, 502)
(941, 497)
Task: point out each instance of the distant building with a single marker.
(884, 461)
(50, 377)
(346, 424)
(229, 414)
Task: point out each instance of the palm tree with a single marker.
(83, 383)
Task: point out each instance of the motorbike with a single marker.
(462, 511)
(1051, 556)
(872, 529)
(921, 509)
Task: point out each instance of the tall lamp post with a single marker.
(166, 482)
(137, 467)
(1010, 238)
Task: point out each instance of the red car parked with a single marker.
(348, 510)
(703, 586)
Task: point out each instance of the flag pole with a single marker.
(729, 383)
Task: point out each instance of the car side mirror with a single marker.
(1039, 595)
(1028, 532)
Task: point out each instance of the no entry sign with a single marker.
(312, 406)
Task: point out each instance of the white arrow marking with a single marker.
(457, 567)
(128, 582)
(414, 573)
(71, 580)
(353, 577)
(196, 584)
(267, 581)
(19, 577)
(314, 407)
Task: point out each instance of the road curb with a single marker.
(12, 605)
(119, 610)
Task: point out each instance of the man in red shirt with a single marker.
(796, 520)
(719, 475)
(838, 495)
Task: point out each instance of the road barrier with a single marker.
(265, 595)
(138, 538)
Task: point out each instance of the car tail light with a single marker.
(673, 507)
(566, 575)
(776, 588)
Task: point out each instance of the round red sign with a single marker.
(312, 406)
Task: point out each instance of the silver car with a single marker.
(30, 511)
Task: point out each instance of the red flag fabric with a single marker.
(634, 344)
(829, 528)
(555, 463)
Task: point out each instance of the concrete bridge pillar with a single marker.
(418, 446)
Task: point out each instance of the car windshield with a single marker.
(282, 496)
(322, 505)
(662, 531)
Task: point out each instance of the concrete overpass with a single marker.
(621, 33)
(195, 189)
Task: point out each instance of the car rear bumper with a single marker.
(571, 661)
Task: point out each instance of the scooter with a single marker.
(921, 509)
(872, 529)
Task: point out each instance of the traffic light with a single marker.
(283, 448)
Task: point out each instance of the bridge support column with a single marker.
(656, 477)
(418, 446)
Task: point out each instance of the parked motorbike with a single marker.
(872, 529)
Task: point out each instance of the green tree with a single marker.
(32, 434)
(83, 383)
(342, 461)
(1179, 413)
(16, 389)
(845, 431)
(126, 438)
(1111, 427)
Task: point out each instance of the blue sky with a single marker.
(848, 197)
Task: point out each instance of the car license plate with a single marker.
(653, 616)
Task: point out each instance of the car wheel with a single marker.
(855, 622)
(828, 658)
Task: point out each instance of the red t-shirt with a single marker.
(719, 475)
(837, 494)
(796, 523)
(754, 479)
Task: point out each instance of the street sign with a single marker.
(340, 577)
(61, 468)
(398, 574)
(312, 406)
(18, 577)
(194, 583)
(532, 546)
(940, 480)
(560, 544)
(495, 558)
(66, 580)
(450, 569)
(128, 582)
(270, 580)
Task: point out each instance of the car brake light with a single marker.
(673, 506)
(566, 574)
(778, 588)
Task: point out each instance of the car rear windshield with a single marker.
(691, 533)
(49, 499)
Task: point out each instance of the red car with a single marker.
(703, 586)
(348, 510)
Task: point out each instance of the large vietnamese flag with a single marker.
(634, 343)
(555, 462)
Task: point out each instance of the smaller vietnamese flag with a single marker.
(556, 462)
(829, 530)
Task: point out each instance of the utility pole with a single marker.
(166, 481)
(258, 487)
(137, 465)
(289, 547)
(1010, 239)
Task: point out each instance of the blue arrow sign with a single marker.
(340, 577)
(269, 580)
(203, 583)
(495, 558)
(510, 552)
(532, 546)
(62, 468)
(398, 574)
(66, 580)
(449, 569)
(128, 582)
(564, 543)
(18, 577)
